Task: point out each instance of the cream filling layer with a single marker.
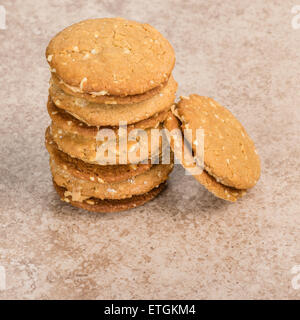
(79, 89)
(81, 189)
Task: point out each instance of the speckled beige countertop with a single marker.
(186, 243)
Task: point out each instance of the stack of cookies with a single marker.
(110, 80)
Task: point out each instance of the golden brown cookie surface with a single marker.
(106, 99)
(103, 206)
(70, 124)
(86, 171)
(208, 181)
(229, 153)
(111, 56)
(95, 114)
(83, 180)
(95, 151)
(81, 189)
(85, 142)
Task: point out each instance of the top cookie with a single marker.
(229, 153)
(111, 56)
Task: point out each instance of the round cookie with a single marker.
(208, 181)
(103, 206)
(95, 114)
(70, 124)
(87, 149)
(81, 189)
(111, 56)
(229, 153)
(83, 142)
(105, 99)
(102, 174)
(83, 184)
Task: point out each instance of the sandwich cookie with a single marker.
(103, 174)
(97, 114)
(107, 205)
(84, 181)
(110, 57)
(231, 162)
(101, 97)
(83, 142)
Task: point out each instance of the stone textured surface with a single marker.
(186, 243)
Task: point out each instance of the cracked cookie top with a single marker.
(110, 56)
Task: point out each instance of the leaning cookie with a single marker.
(208, 181)
(231, 164)
(229, 153)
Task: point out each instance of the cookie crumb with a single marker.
(94, 51)
(82, 83)
(81, 102)
(133, 148)
(86, 56)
